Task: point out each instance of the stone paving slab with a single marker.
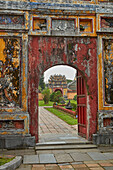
(58, 151)
(68, 137)
(109, 155)
(44, 152)
(18, 152)
(62, 158)
(25, 167)
(76, 163)
(66, 167)
(97, 156)
(38, 167)
(47, 158)
(51, 167)
(51, 143)
(30, 159)
(80, 150)
(80, 156)
(108, 168)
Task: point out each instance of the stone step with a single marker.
(63, 143)
(66, 147)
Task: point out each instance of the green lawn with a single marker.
(71, 109)
(41, 103)
(73, 101)
(5, 160)
(68, 119)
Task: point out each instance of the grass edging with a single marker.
(73, 113)
(68, 119)
(12, 165)
(41, 103)
(4, 160)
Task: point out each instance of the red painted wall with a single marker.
(45, 52)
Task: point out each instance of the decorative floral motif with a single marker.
(63, 25)
(9, 74)
(11, 19)
(108, 70)
(107, 23)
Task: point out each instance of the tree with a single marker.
(52, 97)
(68, 81)
(41, 83)
(39, 89)
(46, 95)
(57, 96)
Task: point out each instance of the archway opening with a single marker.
(57, 89)
(71, 84)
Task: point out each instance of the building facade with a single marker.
(58, 82)
(38, 34)
(72, 89)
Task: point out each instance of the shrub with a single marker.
(62, 100)
(57, 96)
(46, 95)
(52, 97)
(75, 97)
(74, 106)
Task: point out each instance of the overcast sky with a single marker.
(68, 71)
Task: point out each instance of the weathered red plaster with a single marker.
(80, 53)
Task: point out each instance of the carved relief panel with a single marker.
(39, 24)
(105, 0)
(85, 25)
(108, 70)
(11, 124)
(12, 21)
(106, 22)
(63, 26)
(9, 72)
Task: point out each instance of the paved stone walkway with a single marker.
(49, 123)
(87, 165)
(51, 128)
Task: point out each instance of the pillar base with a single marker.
(16, 141)
(104, 139)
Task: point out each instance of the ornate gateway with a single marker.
(36, 35)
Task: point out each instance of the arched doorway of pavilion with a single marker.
(58, 89)
(74, 91)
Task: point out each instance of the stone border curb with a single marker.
(12, 164)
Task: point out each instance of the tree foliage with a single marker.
(46, 95)
(75, 97)
(56, 96)
(68, 81)
(41, 83)
(52, 97)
